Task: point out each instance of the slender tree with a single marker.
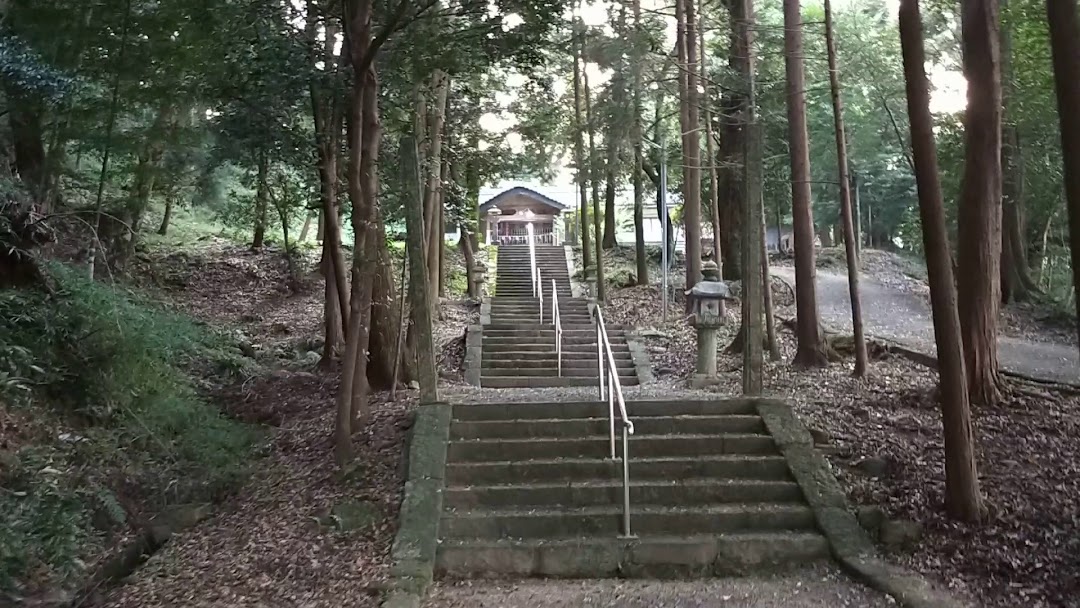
(730, 182)
(963, 499)
(1065, 51)
(710, 152)
(638, 59)
(583, 168)
(850, 244)
(979, 221)
(419, 283)
(436, 121)
(810, 350)
(692, 160)
(590, 124)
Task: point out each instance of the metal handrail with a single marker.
(539, 293)
(556, 320)
(611, 390)
(533, 269)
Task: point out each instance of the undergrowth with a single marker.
(116, 427)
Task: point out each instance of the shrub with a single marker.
(105, 374)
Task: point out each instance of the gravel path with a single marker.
(812, 588)
(893, 314)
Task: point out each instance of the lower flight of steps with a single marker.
(519, 352)
(530, 491)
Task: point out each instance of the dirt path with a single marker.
(893, 314)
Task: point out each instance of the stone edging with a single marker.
(640, 356)
(485, 311)
(474, 353)
(417, 538)
(849, 542)
(577, 290)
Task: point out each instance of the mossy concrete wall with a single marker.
(415, 545)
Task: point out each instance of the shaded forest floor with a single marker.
(883, 438)
(299, 533)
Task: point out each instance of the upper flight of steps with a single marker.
(530, 491)
(519, 350)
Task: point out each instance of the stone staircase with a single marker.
(530, 491)
(519, 351)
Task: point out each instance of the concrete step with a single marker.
(606, 520)
(683, 492)
(545, 382)
(531, 304)
(584, 427)
(568, 338)
(529, 299)
(549, 361)
(567, 332)
(638, 409)
(496, 345)
(644, 446)
(552, 372)
(735, 553)
(587, 356)
(535, 324)
(568, 470)
(527, 291)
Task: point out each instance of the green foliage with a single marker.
(22, 70)
(106, 373)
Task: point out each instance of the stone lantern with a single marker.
(708, 304)
(478, 276)
(589, 277)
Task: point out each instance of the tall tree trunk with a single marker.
(963, 499)
(730, 179)
(979, 214)
(170, 202)
(601, 283)
(583, 167)
(692, 164)
(261, 195)
(710, 151)
(306, 229)
(639, 135)
(440, 86)
(850, 244)
(382, 337)
(663, 212)
(334, 331)
(766, 282)
(28, 144)
(465, 244)
(1065, 51)
(609, 194)
(146, 171)
(385, 315)
(327, 111)
(419, 301)
(810, 351)
(442, 235)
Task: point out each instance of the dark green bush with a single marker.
(107, 372)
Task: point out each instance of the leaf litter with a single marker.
(278, 542)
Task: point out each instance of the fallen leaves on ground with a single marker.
(278, 542)
(274, 543)
(1027, 553)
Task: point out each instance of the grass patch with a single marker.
(119, 429)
